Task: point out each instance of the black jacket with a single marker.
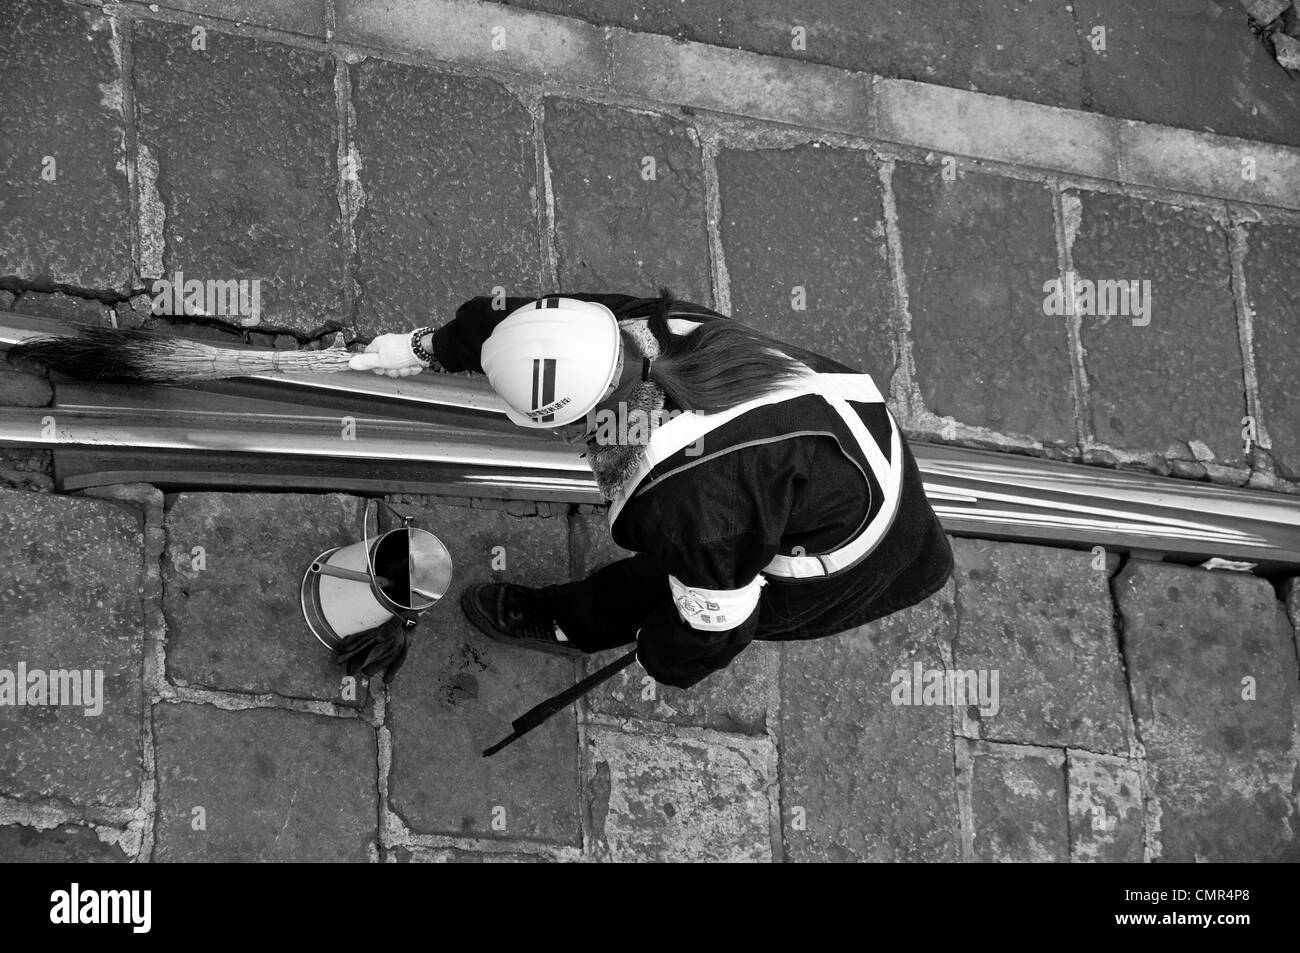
(715, 525)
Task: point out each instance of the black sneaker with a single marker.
(512, 615)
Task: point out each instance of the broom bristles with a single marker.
(142, 357)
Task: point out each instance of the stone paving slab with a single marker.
(629, 201)
(272, 785)
(1106, 812)
(862, 778)
(1169, 62)
(62, 103)
(1191, 65)
(72, 603)
(475, 35)
(295, 16)
(1041, 619)
(67, 844)
(1005, 48)
(1019, 804)
(736, 699)
(239, 170)
(675, 798)
(1191, 326)
(779, 235)
(977, 252)
(447, 173)
(1212, 662)
(234, 614)
(459, 693)
(1274, 293)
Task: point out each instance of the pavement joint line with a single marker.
(52, 811)
(772, 730)
(400, 835)
(1067, 211)
(544, 197)
(1141, 151)
(1039, 746)
(964, 782)
(956, 721)
(1150, 802)
(228, 700)
(120, 40)
(350, 191)
(713, 218)
(903, 388)
(1052, 754)
(582, 708)
(390, 827)
(1239, 240)
(428, 843)
(584, 809)
(148, 501)
(647, 727)
(1069, 814)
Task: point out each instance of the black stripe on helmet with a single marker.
(548, 387)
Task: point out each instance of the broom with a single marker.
(144, 357)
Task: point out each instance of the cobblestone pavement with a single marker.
(375, 164)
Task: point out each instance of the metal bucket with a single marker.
(353, 588)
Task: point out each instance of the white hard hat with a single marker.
(553, 360)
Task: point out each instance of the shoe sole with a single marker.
(483, 622)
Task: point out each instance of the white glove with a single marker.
(389, 354)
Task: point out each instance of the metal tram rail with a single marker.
(447, 434)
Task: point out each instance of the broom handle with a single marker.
(540, 713)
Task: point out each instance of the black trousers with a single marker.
(605, 610)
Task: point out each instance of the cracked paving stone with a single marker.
(1019, 804)
(1041, 619)
(678, 799)
(264, 784)
(1212, 662)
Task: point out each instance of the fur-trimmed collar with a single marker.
(613, 463)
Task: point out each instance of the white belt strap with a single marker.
(715, 610)
(839, 389)
(684, 430)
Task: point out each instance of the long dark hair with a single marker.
(717, 365)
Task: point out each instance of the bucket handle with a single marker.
(365, 530)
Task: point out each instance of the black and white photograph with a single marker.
(651, 432)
